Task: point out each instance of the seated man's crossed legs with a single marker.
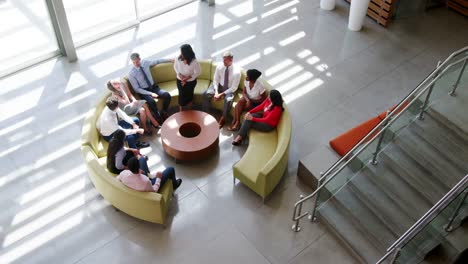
(160, 94)
(210, 95)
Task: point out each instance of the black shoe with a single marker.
(178, 183)
(236, 143)
(165, 116)
(141, 144)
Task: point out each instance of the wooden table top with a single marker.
(179, 134)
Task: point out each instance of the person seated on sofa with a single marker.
(108, 124)
(130, 105)
(225, 82)
(265, 117)
(143, 84)
(187, 69)
(253, 94)
(136, 179)
(118, 155)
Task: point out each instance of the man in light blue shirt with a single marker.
(142, 82)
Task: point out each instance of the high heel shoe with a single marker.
(237, 143)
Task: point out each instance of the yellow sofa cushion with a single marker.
(206, 72)
(261, 148)
(266, 159)
(163, 72)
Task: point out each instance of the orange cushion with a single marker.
(346, 141)
(384, 114)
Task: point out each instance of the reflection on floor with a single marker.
(332, 79)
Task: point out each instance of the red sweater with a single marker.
(271, 117)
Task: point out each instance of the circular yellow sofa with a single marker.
(260, 168)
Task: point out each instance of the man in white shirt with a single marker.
(225, 82)
(108, 123)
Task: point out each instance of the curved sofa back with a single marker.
(164, 72)
(276, 166)
(147, 206)
(89, 134)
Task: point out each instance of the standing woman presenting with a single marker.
(187, 69)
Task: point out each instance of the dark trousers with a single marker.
(167, 174)
(248, 124)
(128, 155)
(162, 94)
(144, 166)
(208, 96)
(186, 92)
(131, 139)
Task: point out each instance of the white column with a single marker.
(357, 13)
(327, 4)
(65, 38)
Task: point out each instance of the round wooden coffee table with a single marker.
(190, 135)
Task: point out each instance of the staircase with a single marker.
(380, 202)
(420, 160)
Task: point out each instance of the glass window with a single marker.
(147, 8)
(26, 34)
(91, 19)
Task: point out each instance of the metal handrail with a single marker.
(430, 76)
(427, 217)
(388, 120)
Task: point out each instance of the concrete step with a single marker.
(439, 136)
(458, 238)
(382, 206)
(392, 215)
(375, 229)
(415, 175)
(349, 230)
(430, 158)
(456, 121)
(409, 199)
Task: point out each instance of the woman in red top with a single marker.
(264, 117)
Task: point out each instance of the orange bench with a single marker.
(346, 141)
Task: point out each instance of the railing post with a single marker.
(395, 255)
(296, 226)
(379, 143)
(455, 85)
(426, 101)
(312, 216)
(449, 226)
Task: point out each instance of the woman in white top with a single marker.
(187, 69)
(253, 94)
(130, 105)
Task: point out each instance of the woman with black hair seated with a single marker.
(118, 155)
(253, 94)
(265, 117)
(187, 69)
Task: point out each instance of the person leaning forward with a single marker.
(225, 82)
(142, 82)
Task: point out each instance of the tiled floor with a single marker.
(331, 78)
